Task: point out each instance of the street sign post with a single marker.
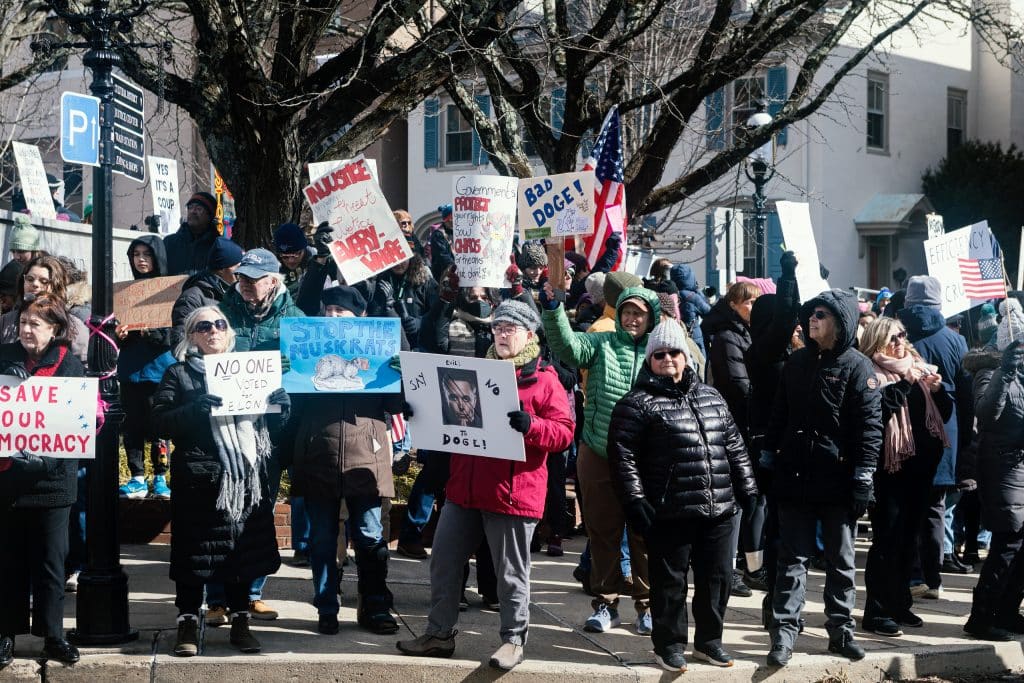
(80, 129)
(129, 130)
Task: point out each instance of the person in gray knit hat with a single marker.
(517, 313)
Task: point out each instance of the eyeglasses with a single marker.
(897, 337)
(297, 252)
(405, 222)
(206, 326)
(821, 315)
(503, 330)
(661, 355)
(32, 279)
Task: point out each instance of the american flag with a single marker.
(605, 161)
(983, 278)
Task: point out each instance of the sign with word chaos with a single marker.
(367, 239)
(483, 227)
(48, 416)
(342, 355)
(244, 380)
(461, 405)
(556, 206)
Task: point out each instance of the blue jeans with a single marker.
(627, 569)
(300, 525)
(952, 498)
(78, 553)
(364, 528)
(430, 483)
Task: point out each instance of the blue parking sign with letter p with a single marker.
(80, 129)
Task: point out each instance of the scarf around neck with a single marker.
(243, 445)
(529, 352)
(899, 434)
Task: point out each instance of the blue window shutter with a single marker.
(714, 108)
(711, 273)
(557, 112)
(479, 154)
(773, 235)
(431, 118)
(778, 90)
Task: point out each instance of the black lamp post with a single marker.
(102, 602)
(759, 170)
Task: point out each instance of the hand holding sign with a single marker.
(244, 382)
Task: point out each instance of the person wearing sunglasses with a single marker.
(681, 468)
(222, 510)
(915, 405)
(822, 443)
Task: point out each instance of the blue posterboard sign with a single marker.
(341, 355)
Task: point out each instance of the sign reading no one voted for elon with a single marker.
(556, 205)
(244, 380)
(51, 416)
(461, 405)
(341, 355)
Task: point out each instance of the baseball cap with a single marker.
(258, 263)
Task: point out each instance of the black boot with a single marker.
(846, 646)
(373, 611)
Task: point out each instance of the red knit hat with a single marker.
(204, 199)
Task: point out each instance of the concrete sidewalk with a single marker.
(558, 649)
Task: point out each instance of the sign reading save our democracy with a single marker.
(367, 239)
(244, 380)
(556, 205)
(50, 416)
(483, 227)
(341, 355)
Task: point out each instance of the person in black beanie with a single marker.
(208, 287)
(294, 253)
(188, 249)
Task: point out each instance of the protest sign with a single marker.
(367, 238)
(483, 226)
(244, 380)
(163, 174)
(556, 205)
(462, 404)
(50, 416)
(798, 236)
(146, 304)
(32, 175)
(936, 228)
(945, 256)
(322, 168)
(341, 355)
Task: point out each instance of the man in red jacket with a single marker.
(500, 499)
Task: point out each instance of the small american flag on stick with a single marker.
(983, 278)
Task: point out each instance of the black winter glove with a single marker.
(788, 263)
(407, 411)
(280, 397)
(520, 420)
(640, 515)
(28, 467)
(614, 241)
(862, 499)
(1013, 358)
(551, 303)
(387, 294)
(323, 236)
(207, 402)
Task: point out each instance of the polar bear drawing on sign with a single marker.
(334, 373)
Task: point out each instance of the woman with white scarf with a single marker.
(915, 406)
(222, 513)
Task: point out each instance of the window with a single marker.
(747, 93)
(458, 137)
(878, 111)
(956, 118)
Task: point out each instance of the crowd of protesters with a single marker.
(743, 436)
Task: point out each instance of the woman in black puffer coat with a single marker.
(683, 472)
(727, 333)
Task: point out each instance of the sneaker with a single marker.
(672, 658)
(644, 625)
(779, 655)
(216, 616)
(847, 647)
(327, 624)
(740, 589)
(160, 487)
(918, 590)
(71, 583)
(908, 618)
(187, 644)
(713, 655)
(757, 580)
(883, 627)
(987, 632)
(414, 550)
(133, 488)
(260, 610)
(428, 646)
(300, 558)
(507, 657)
(932, 593)
(603, 619)
(241, 637)
(555, 547)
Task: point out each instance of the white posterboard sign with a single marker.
(798, 236)
(725, 220)
(462, 404)
(936, 228)
(163, 181)
(483, 227)
(48, 416)
(244, 380)
(556, 206)
(943, 254)
(318, 169)
(32, 175)
(367, 238)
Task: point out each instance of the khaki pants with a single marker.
(605, 520)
